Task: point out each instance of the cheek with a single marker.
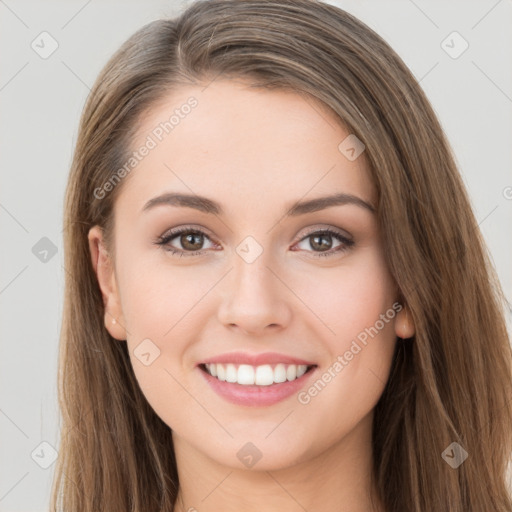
(351, 297)
(357, 303)
(164, 308)
(159, 304)
(360, 309)
(158, 298)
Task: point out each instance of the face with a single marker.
(247, 282)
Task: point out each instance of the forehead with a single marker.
(247, 147)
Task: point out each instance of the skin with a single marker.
(255, 152)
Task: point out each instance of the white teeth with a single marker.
(301, 370)
(231, 373)
(245, 374)
(291, 372)
(221, 372)
(280, 373)
(264, 375)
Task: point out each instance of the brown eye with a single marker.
(191, 241)
(321, 242)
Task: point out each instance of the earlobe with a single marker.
(103, 268)
(404, 324)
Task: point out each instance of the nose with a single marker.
(255, 300)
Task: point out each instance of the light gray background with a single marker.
(41, 101)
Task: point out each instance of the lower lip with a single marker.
(256, 396)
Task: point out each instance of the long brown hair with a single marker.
(451, 382)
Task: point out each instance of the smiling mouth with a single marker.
(263, 375)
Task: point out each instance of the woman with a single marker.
(277, 296)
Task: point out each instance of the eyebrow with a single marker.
(206, 205)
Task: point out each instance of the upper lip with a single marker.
(256, 359)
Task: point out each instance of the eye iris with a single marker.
(321, 245)
(189, 239)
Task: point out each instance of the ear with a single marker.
(104, 269)
(404, 324)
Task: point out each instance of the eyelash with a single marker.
(166, 238)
